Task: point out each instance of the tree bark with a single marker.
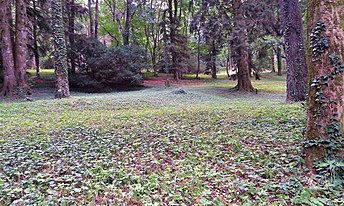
(10, 81)
(240, 47)
(325, 118)
(294, 50)
(60, 50)
(251, 65)
(35, 40)
(198, 53)
(213, 61)
(272, 64)
(279, 61)
(90, 15)
(21, 48)
(126, 32)
(173, 35)
(96, 21)
(71, 31)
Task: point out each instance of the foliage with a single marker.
(47, 63)
(147, 148)
(119, 65)
(107, 67)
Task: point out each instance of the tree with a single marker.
(294, 50)
(21, 48)
(60, 50)
(90, 15)
(240, 48)
(325, 118)
(9, 82)
(96, 21)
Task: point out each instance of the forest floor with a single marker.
(159, 146)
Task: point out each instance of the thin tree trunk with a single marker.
(325, 118)
(240, 44)
(272, 64)
(96, 21)
(90, 15)
(213, 61)
(35, 41)
(126, 32)
(10, 81)
(279, 61)
(252, 67)
(198, 53)
(21, 48)
(71, 31)
(60, 50)
(294, 50)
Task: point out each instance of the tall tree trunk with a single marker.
(251, 65)
(213, 61)
(126, 32)
(294, 50)
(90, 15)
(71, 31)
(21, 48)
(10, 81)
(279, 61)
(272, 63)
(198, 52)
(96, 20)
(35, 40)
(325, 118)
(60, 50)
(240, 46)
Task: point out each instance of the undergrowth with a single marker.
(154, 147)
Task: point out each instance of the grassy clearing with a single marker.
(154, 147)
(42, 72)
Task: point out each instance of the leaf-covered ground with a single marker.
(155, 147)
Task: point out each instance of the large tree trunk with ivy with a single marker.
(325, 118)
(294, 50)
(9, 82)
(21, 48)
(240, 48)
(60, 50)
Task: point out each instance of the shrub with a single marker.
(119, 65)
(108, 67)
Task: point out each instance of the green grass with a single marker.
(154, 147)
(43, 72)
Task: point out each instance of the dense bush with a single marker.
(101, 67)
(119, 65)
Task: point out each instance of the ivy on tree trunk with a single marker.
(325, 118)
(60, 50)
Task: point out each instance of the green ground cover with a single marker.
(155, 147)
